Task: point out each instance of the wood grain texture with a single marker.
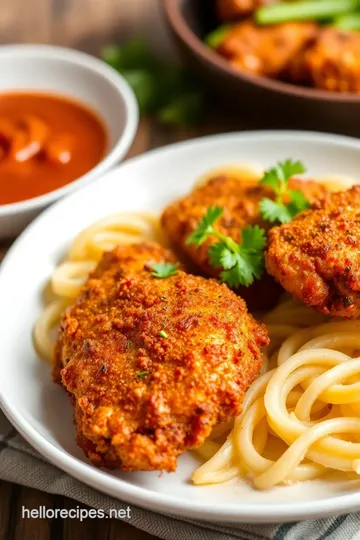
(87, 25)
(83, 24)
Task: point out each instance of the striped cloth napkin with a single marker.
(21, 464)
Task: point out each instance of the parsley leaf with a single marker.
(164, 270)
(241, 263)
(277, 179)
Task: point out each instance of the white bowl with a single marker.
(79, 76)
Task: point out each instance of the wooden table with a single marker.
(86, 25)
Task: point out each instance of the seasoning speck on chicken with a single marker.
(153, 364)
(239, 200)
(316, 257)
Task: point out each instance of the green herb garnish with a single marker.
(277, 178)
(242, 263)
(348, 21)
(169, 93)
(142, 373)
(163, 334)
(217, 36)
(164, 270)
(303, 10)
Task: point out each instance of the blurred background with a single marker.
(240, 98)
(90, 26)
(86, 25)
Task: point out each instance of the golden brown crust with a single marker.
(266, 51)
(240, 201)
(196, 373)
(333, 63)
(316, 257)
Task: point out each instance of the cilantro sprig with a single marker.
(242, 263)
(164, 270)
(277, 178)
(169, 93)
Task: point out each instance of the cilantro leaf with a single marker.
(228, 259)
(253, 238)
(216, 253)
(205, 227)
(271, 179)
(220, 256)
(278, 176)
(249, 258)
(164, 270)
(277, 179)
(249, 266)
(241, 263)
(291, 167)
(237, 276)
(298, 201)
(273, 211)
(240, 274)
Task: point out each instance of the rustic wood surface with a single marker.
(85, 25)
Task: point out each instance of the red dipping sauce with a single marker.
(46, 142)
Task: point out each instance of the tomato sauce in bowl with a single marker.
(46, 142)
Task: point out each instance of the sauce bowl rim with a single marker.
(100, 70)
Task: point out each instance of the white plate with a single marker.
(40, 410)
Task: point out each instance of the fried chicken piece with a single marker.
(240, 201)
(153, 364)
(316, 256)
(333, 63)
(265, 51)
(230, 10)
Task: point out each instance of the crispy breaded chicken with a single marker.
(229, 10)
(316, 257)
(333, 63)
(240, 201)
(153, 364)
(267, 50)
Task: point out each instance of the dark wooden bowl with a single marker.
(266, 102)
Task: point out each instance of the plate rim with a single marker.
(141, 496)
